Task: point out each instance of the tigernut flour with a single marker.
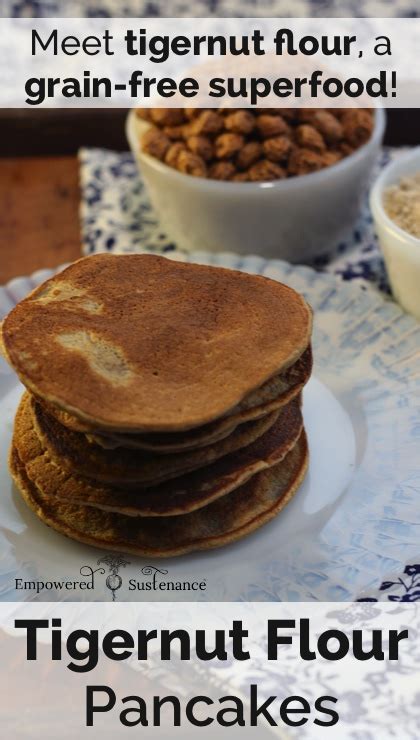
(247, 145)
(402, 204)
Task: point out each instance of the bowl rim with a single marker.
(290, 183)
(377, 190)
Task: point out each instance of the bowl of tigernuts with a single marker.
(283, 183)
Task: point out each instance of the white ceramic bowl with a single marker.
(295, 219)
(401, 250)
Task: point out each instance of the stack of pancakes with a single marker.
(163, 404)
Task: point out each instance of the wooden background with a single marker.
(39, 203)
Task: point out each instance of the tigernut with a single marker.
(201, 145)
(309, 138)
(250, 153)
(240, 122)
(269, 125)
(357, 126)
(191, 164)
(304, 161)
(208, 122)
(328, 125)
(222, 170)
(167, 116)
(332, 156)
(277, 148)
(240, 177)
(266, 170)
(155, 143)
(226, 145)
(175, 133)
(172, 154)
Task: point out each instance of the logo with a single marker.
(113, 580)
(152, 579)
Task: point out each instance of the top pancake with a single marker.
(141, 343)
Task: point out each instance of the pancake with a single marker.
(184, 494)
(2, 347)
(265, 401)
(228, 519)
(133, 467)
(187, 441)
(140, 343)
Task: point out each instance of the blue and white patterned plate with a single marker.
(354, 520)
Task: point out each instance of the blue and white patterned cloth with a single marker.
(116, 214)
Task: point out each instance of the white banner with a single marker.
(208, 62)
(259, 670)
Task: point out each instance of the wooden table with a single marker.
(39, 202)
(39, 214)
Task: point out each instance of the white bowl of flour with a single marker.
(395, 206)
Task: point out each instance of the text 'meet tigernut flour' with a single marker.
(402, 203)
